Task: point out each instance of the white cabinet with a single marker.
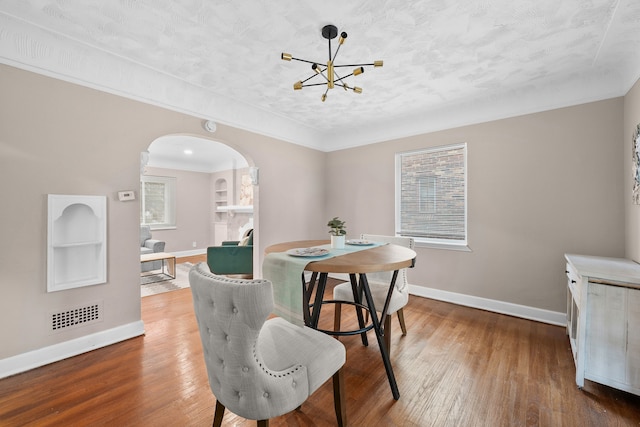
(603, 320)
(76, 244)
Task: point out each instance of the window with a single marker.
(158, 201)
(431, 196)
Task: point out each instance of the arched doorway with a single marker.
(215, 194)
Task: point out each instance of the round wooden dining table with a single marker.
(386, 257)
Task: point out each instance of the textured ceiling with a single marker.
(446, 63)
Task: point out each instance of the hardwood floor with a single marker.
(456, 367)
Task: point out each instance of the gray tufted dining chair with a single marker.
(379, 285)
(259, 368)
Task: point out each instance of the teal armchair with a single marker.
(233, 257)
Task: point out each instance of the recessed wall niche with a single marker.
(76, 244)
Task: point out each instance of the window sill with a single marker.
(444, 246)
(162, 227)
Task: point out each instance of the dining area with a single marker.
(456, 366)
(272, 330)
(357, 259)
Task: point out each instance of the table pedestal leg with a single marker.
(380, 337)
(357, 297)
(317, 302)
(306, 296)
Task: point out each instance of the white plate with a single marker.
(359, 242)
(308, 252)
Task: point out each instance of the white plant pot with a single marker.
(337, 242)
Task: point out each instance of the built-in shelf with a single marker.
(77, 246)
(220, 199)
(235, 209)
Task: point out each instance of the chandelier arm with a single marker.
(309, 78)
(324, 96)
(321, 73)
(354, 65)
(342, 78)
(304, 60)
(314, 84)
(335, 55)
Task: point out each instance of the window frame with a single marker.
(170, 195)
(450, 244)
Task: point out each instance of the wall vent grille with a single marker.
(75, 317)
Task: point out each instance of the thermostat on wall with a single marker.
(123, 196)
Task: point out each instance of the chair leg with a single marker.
(338, 398)
(401, 320)
(387, 333)
(337, 316)
(263, 423)
(219, 413)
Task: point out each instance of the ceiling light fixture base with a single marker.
(329, 32)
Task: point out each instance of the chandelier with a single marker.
(330, 73)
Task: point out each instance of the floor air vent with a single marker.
(76, 317)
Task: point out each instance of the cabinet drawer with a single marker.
(575, 282)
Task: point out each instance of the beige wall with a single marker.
(539, 186)
(61, 138)
(632, 212)
(193, 210)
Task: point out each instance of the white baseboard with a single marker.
(516, 310)
(54, 353)
(522, 311)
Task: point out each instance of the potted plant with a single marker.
(338, 232)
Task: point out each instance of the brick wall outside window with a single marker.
(432, 193)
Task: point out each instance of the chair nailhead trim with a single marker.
(267, 371)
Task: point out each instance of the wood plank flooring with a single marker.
(456, 367)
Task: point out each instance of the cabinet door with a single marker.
(633, 338)
(606, 332)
